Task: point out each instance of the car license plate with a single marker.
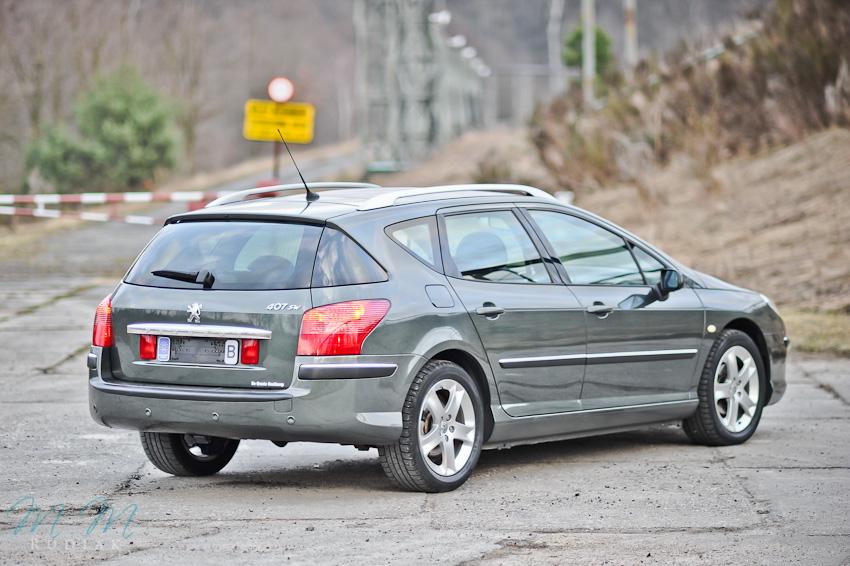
(201, 350)
(163, 349)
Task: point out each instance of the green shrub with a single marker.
(572, 53)
(126, 135)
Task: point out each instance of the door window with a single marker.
(650, 266)
(590, 254)
(493, 246)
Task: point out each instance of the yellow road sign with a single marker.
(264, 117)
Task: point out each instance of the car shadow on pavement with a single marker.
(604, 447)
(359, 474)
(365, 474)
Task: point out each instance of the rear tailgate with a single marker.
(204, 291)
(194, 352)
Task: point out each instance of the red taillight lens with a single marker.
(147, 347)
(339, 329)
(250, 351)
(102, 332)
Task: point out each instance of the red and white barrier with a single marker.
(91, 216)
(40, 200)
(194, 200)
(107, 198)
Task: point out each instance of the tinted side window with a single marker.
(340, 261)
(493, 246)
(591, 255)
(419, 237)
(650, 266)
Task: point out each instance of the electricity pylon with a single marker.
(416, 86)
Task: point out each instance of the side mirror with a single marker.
(671, 280)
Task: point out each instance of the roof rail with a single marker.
(392, 196)
(239, 196)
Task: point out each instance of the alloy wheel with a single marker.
(736, 389)
(446, 427)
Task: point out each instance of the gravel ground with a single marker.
(642, 497)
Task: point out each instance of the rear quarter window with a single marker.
(341, 261)
(419, 237)
(240, 255)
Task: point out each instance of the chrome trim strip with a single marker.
(198, 330)
(199, 366)
(616, 408)
(601, 358)
(345, 371)
(643, 353)
(543, 361)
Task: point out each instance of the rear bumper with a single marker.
(219, 394)
(345, 410)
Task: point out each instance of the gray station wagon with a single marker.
(429, 323)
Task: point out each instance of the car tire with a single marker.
(182, 455)
(444, 406)
(722, 393)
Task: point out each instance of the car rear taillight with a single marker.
(102, 332)
(147, 347)
(339, 329)
(250, 351)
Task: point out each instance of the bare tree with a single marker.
(186, 58)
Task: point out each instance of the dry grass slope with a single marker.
(779, 223)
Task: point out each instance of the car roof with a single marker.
(335, 199)
(339, 199)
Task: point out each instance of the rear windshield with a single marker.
(238, 255)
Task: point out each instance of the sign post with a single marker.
(263, 119)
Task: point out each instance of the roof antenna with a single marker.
(311, 196)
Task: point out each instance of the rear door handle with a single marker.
(600, 309)
(490, 310)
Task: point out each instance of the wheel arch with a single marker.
(474, 368)
(752, 330)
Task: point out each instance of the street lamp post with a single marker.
(588, 51)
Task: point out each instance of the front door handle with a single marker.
(600, 309)
(490, 310)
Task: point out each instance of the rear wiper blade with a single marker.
(203, 277)
(187, 276)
